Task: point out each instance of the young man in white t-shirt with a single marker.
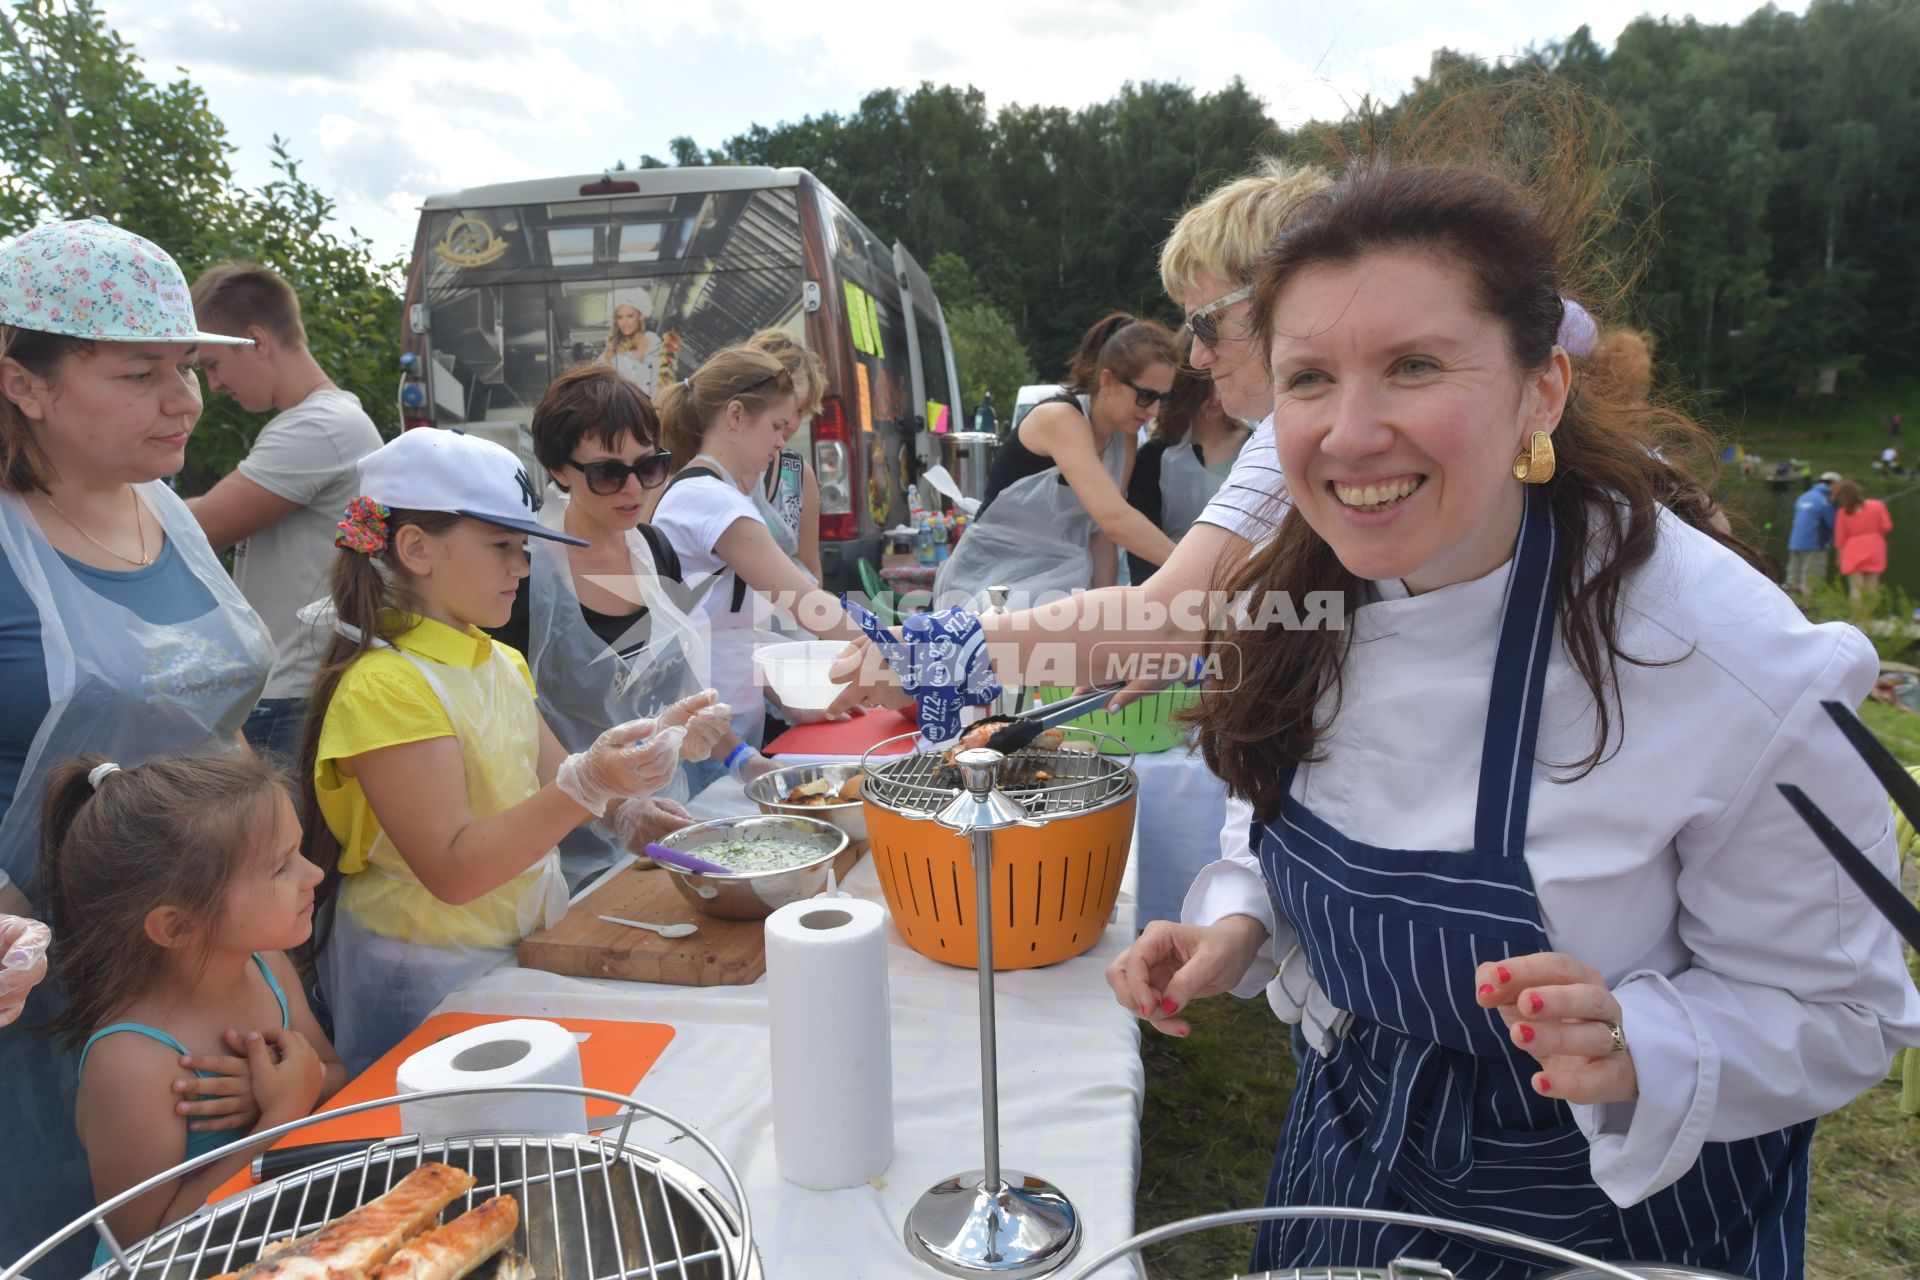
(280, 509)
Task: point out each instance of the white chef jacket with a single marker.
(1760, 988)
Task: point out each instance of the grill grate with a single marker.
(590, 1209)
(1082, 780)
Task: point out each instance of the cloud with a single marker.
(336, 40)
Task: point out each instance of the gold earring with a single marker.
(1534, 464)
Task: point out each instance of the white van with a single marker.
(513, 284)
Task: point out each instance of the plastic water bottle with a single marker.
(923, 539)
(941, 547)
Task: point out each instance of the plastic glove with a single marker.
(706, 720)
(636, 823)
(632, 759)
(23, 962)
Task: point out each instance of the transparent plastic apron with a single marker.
(585, 687)
(1187, 485)
(732, 646)
(130, 690)
(396, 951)
(1034, 538)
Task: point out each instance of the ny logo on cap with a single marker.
(528, 498)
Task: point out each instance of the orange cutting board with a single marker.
(613, 1056)
(720, 953)
(850, 737)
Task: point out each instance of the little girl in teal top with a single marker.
(175, 888)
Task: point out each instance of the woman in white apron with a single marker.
(1056, 499)
(724, 426)
(141, 645)
(1189, 453)
(605, 627)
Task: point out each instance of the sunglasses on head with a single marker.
(1145, 397)
(608, 476)
(1205, 329)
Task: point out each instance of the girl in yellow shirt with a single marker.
(438, 795)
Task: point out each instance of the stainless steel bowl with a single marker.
(770, 791)
(754, 895)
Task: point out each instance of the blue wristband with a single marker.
(735, 754)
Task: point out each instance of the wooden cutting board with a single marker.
(722, 953)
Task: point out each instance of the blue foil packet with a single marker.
(941, 659)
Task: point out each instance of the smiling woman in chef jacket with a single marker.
(1586, 976)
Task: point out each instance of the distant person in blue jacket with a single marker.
(1812, 535)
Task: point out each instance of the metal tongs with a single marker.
(1019, 731)
(1882, 892)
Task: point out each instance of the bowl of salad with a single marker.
(772, 860)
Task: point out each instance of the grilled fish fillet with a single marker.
(353, 1246)
(452, 1251)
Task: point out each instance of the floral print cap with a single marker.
(91, 279)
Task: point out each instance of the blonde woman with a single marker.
(789, 499)
(631, 349)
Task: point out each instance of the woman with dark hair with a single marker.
(607, 630)
(1190, 451)
(1056, 501)
(1586, 976)
(1860, 528)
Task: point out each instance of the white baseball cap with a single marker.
(1830, 477)
(436, 469)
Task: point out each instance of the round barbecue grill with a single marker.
(592, 1206)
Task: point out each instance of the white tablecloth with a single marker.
(1070, 1088)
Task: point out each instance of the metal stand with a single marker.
(990, 1221)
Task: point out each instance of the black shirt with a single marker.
(1143, 495)
(1014, 462)
(610, 627)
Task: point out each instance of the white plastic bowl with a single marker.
(796, 672)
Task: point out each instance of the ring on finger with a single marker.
(1619, 1038)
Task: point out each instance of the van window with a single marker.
(516, 295)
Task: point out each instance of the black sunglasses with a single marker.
(1146, 397)
(608, 476)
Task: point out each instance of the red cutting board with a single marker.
(613, 1056)
(850, 737)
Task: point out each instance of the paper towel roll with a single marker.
(830, 1042)
(523, 1051)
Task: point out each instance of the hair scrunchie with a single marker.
(1579, 335)
(365, 528)
(98, 773)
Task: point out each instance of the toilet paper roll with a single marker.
(522, 1051)
(830, 1042)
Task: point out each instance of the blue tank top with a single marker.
(198, 1144)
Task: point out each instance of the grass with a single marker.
(1834, 434)
(1215, 1102)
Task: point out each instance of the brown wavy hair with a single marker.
(172, 832)
(1620, 461)
(1192, 390)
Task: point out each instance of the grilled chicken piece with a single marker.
(452, 1251)
(353, 1246)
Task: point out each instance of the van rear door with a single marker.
(936, 384)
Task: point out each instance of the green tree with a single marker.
(986, 346)
(84, 131)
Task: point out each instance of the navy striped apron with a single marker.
(1426, 1106)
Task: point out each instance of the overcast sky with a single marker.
(387, 101)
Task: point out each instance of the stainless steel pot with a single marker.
(754, 895)
(771, 791)
(968, 455)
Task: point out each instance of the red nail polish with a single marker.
(1167, 1006)
(1500, 972)
(1486, 988)
(1537, 1003)
(1145, 1010)
(1526, 1033)
(1183, 1035)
